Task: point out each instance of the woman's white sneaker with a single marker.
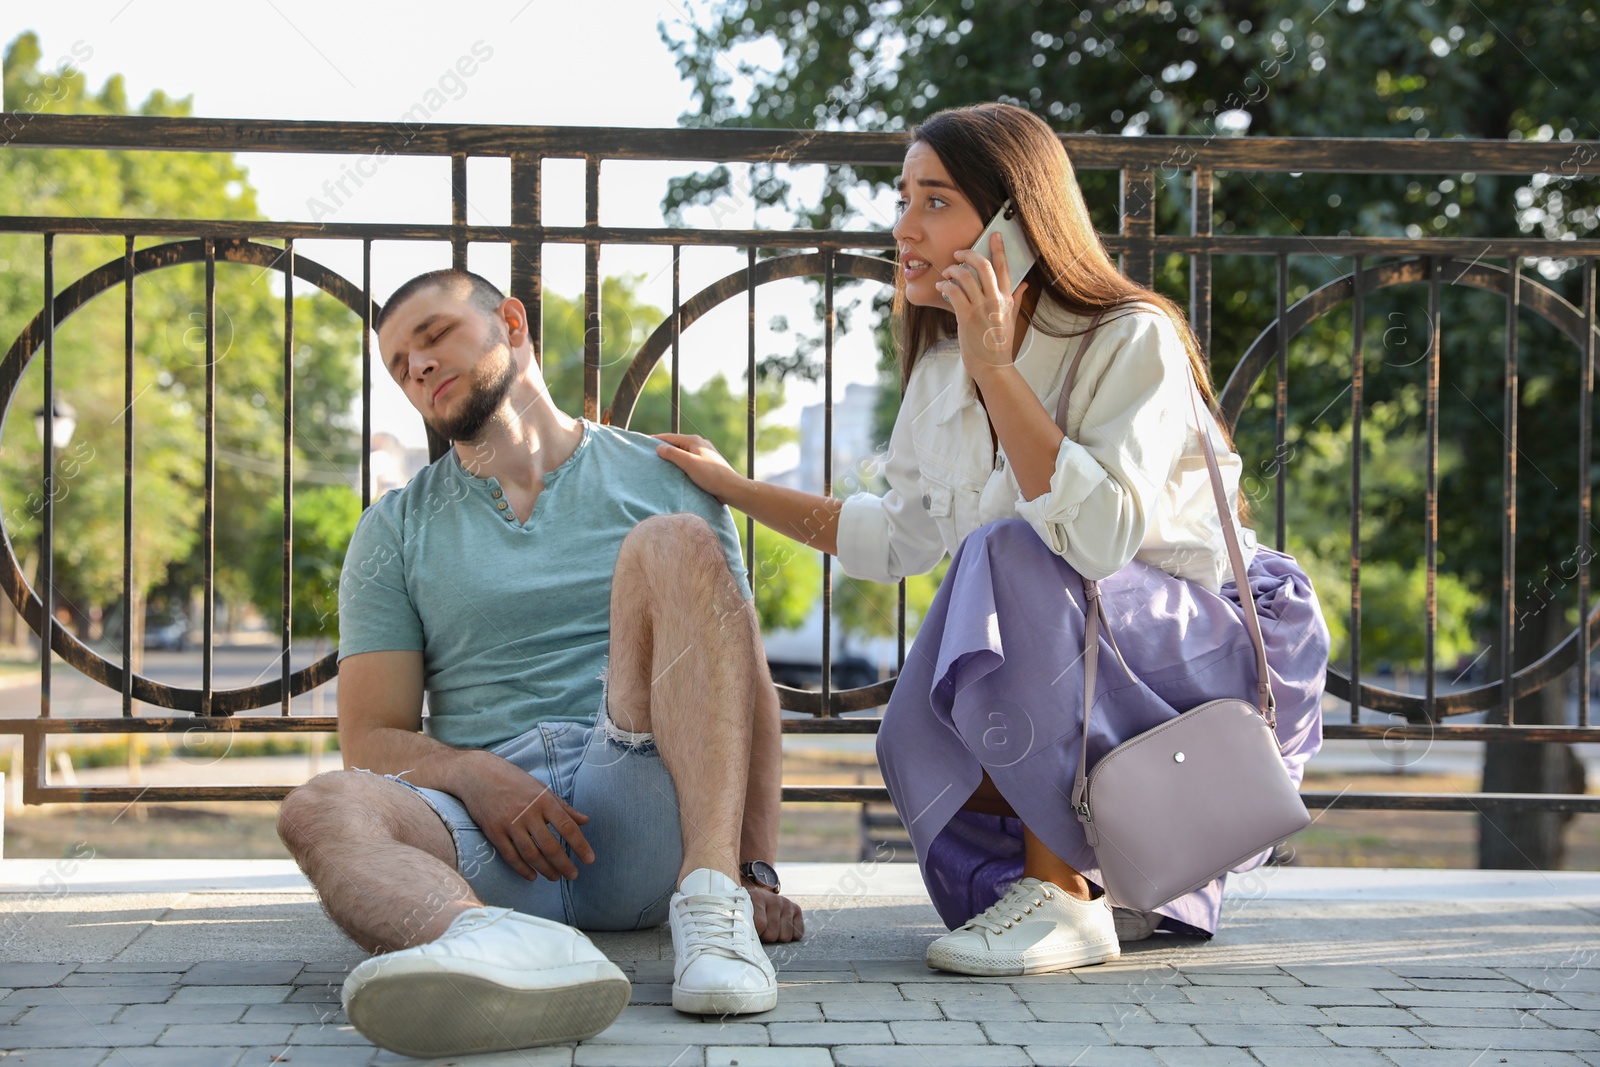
(1034, 927)
(495, 979)
(720, 966)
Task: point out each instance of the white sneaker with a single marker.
(1034, 927)
(721, 968)
(496, 979)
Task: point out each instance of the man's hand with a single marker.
(777, 917)
(517, 812)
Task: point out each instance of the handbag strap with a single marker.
(1095, 612)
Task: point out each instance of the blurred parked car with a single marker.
(164, 628)
(169, 631)
(795, 656)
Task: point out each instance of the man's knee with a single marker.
(674, 530)
(327, 804)
(677, 544)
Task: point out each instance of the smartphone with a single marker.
(1020, 256)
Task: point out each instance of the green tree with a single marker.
(872, 609)
(1373, 68)
(324, 521)
(169, 370)
(786, 577)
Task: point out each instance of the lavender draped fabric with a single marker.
(994, 682)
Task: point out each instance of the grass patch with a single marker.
(113, 752)
(807, 832)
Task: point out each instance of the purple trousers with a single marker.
(994, 683)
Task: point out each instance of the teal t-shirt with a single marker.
(512, 619)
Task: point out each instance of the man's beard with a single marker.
(483, 400)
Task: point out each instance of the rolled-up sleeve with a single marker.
(886, 538)
(1110, 472)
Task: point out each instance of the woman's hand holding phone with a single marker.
(978, 289)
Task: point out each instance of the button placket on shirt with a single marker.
(502, 505)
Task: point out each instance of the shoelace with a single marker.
(711, 924)
(1018, 902)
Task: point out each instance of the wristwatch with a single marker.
(761, 873)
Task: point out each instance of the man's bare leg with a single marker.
(763, 794)
(377, 854)
(687, 665)
(383, 864)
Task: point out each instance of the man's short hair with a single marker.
(481, 292)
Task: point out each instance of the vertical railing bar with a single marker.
(1200, 265)
(536, 309)
(127, 478)
(1358, 383)
(46, 573)
(1430, 525)
(1281, 411)
(525, 245)
(591, 293)
(827, 477)
(458, 209)
(458, 247)
(1508, 490)
(366, 373)
(208, 522)
(1138, 224)
(750, 407)
(1585, 495)
(900, 627)
(287, 628)
(677, 331)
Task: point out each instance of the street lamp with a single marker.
(65, 421)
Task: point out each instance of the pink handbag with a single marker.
(1173, 808)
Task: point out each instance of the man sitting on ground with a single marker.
(578, 613)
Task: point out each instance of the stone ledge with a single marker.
(834, 880)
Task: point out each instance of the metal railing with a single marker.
(1376, 263)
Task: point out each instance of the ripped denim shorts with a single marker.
(619, 781)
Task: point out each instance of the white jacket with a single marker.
(1130, 478)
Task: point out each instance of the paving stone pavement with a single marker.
(228, 1014)
(1395, 980)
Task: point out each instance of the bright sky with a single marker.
(536, 63)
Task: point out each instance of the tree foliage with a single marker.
(169, 363)
(325, 519)
(1361, 68)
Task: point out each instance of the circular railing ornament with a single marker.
(109, 275)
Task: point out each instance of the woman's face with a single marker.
(936, 221)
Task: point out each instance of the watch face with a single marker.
(761, 871)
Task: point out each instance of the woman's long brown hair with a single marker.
(995, 153)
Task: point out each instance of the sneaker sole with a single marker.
(724, 1002)
(417, 1008)
(986, 966)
